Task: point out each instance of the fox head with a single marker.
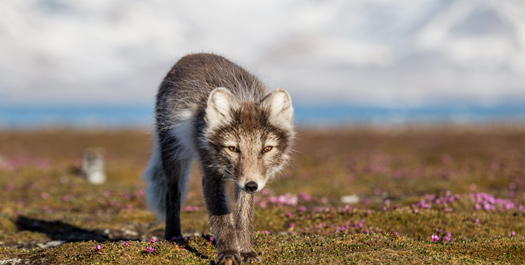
(250, 141)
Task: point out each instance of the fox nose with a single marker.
(251, 186)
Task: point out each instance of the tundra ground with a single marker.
(439, 195)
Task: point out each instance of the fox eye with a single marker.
(233, 149)
(267, 149)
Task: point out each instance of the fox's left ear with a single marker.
(279, 105)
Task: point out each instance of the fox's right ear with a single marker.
(221, 104)
(279, 106)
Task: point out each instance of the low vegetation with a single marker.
(426, 195)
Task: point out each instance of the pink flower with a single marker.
(211, 239)
(476, 221)
(305, 197)
(149, 249)
(126, 244)
(292, 225)
(448, 237)
(416, 210)
(513, 233)
(435, 238)
(98, 247)
(153, 240)
(267, 232)
(67, 198)
(289, 214)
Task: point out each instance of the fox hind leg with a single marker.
(176, 164)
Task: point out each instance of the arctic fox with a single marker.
(211, 108)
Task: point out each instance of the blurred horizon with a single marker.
(365, 61)
(306, 116)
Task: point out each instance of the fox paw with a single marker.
(249, 257)
(228, 258)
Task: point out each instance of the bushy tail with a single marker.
(157, 188)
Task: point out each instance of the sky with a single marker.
(358, 53)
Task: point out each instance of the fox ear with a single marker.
(221, 104)
(279, 105)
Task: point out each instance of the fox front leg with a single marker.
(221, 221)
(244, 212)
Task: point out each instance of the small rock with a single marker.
(93, 165)
(350, 199)
(130, 233)
(10, 261)
(52, 244)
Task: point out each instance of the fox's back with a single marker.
(188, 84)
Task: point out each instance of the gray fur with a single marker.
(210, 108)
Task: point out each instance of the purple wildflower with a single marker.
(97, 247)
(153, 240)
(149, 249)
(435, 238)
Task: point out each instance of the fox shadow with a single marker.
(58, 230)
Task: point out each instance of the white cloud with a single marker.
(370, 52)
